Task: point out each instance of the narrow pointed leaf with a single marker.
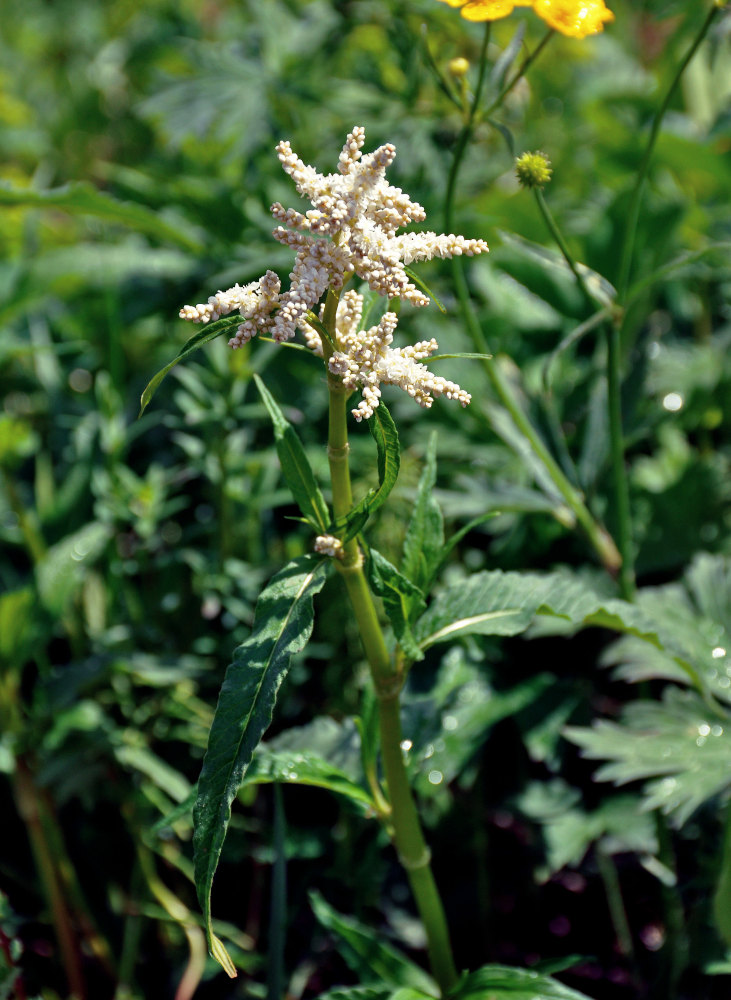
(209, 332)
(282, 625)
(295, 464)
(368, 957)
(424, 538)
(384, 433)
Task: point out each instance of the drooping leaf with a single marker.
(225, 325)
(424, 537)
(400, 599)
(300, 767)
(501, 982)
(84, 199)
(678, 746)
(296, 466)
(370, 958)
(282, 625)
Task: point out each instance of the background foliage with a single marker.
(137, 173)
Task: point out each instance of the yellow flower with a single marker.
(575, 18)
(487, 10)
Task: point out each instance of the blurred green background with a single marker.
(136, 174)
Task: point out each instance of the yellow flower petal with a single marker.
(487, 10)
(574, 18)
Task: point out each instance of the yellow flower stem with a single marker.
(519, 73)
(402, 819)
(598, 536)
(626, 575)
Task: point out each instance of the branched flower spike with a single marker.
(350, 229)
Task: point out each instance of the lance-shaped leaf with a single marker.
(501, 982)
(295, 465)
(282, 625)
(388, 450)
(368, 957)
(400, 599)
(209, 332)
(425, 534)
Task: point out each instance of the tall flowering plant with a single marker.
(347, 246)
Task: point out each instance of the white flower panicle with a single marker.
(350, 229)
(361, 212)
(368, 360)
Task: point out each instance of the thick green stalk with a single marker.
(406, 830)
(633, 213)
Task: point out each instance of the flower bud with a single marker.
(458, 67)
(533, 170)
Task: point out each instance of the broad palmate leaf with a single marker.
(371, 959)
(282, 625)
(681, 745)
(295, 465)
(497, 603)
(502, 982)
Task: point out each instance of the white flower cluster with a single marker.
(351, 229)
(366, 359)
(329, 545)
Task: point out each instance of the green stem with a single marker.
(388, 679)
(561, 243)
(519, 73)
(617, 911)
(633, 213)
(614, 401)
(722, 896)
(619, 472)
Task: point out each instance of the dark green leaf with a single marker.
(400, 599)
(368, 957)
(209, 332)
(282, 625)
(295, 464)
(384, 433)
